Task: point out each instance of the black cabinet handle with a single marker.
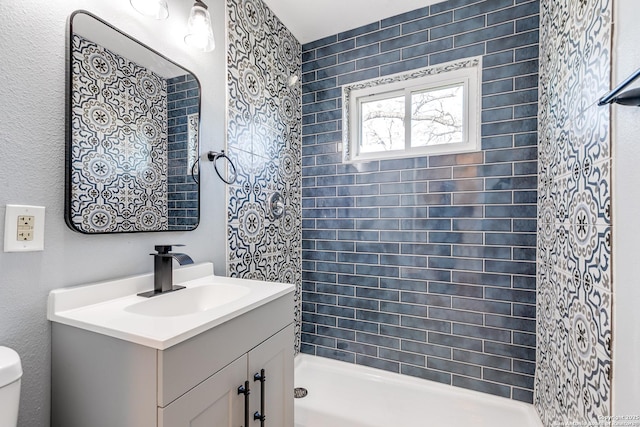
(244, 389)
(260, 415)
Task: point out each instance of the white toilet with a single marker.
(10, 374)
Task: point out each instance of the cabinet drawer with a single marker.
(214, 402)
(185, 365)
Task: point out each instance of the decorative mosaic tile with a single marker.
(573, 382)
(263, 140)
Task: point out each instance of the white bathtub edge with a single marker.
(303, 360)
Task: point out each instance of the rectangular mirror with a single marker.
(132, 134)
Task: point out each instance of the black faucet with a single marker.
(163, 270)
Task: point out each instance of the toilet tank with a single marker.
(10, 374)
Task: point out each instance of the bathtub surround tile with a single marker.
(378, 340)
(482, 386)
(522, 395)
(336, 354)
(427, 374)
(440, 250)
(264, 134)
(573, 372)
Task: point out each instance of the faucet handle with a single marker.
(164, 249)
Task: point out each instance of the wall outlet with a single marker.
(24, 228)
(26, 221)
(25, 235)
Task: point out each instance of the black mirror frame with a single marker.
(68, 131)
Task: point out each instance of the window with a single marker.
(429, 111)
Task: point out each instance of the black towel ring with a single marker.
(214, 156)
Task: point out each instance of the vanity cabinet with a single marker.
(214, 402)
(102, 381)
(275, 356)
(218, 402)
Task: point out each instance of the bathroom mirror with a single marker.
(132, 122)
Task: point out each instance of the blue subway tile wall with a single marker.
(426, 266)
(183, 101)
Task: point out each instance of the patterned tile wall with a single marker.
(183, 107)
(573, 374)
(118, 120)
(426, 266)
(263, 140)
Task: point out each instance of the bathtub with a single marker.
(342, 394)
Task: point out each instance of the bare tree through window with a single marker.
(436, 118)
(383, 125)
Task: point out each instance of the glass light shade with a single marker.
(199, 31)
(156, 9)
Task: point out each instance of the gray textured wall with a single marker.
(32, 142)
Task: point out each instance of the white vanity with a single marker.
(181, 359)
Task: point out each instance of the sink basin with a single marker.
(189, 301)
(113, 308)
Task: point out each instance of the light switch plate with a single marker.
(23, 228)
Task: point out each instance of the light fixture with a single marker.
(199, 31)
(156, 9)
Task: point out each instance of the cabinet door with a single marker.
(275, 356)
(212, 403)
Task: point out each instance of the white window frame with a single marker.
(465, 72)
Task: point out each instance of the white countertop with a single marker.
(101, 307)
